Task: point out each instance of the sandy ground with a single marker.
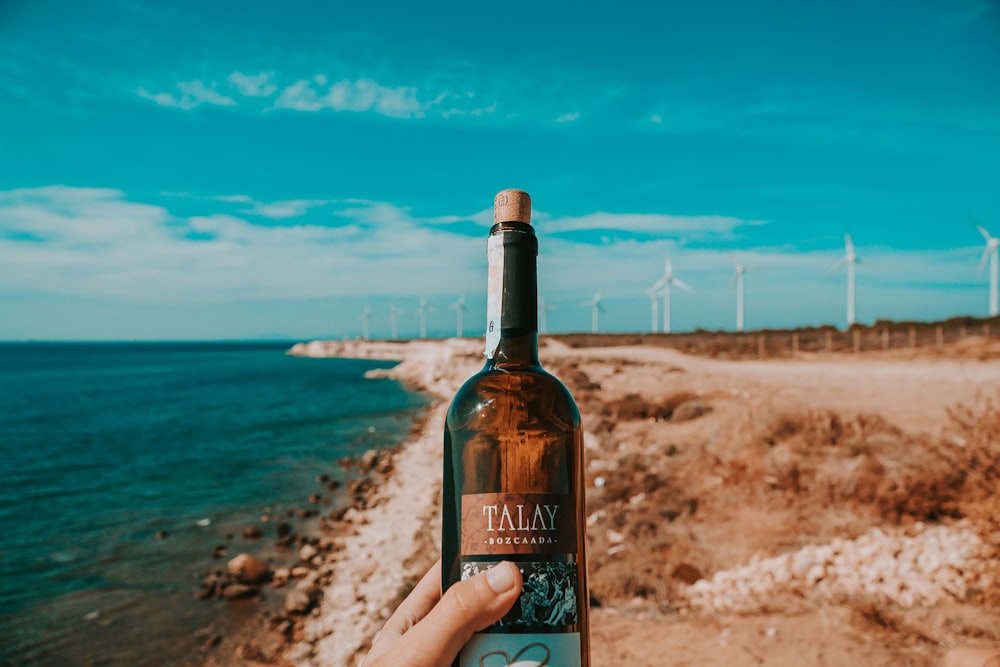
(828, 510)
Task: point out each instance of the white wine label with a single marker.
(494, 293)
(548, 600)
(497, 650)
(518, 523)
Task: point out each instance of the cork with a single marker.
(512, 206)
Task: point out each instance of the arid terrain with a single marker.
(816, 508)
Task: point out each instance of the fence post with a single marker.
(939, 335)
(857, 341)
(829, 341)
(760, 346)
(885, 338)
(913, 338)
(795, 344)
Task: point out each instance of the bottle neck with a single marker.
(512, 299)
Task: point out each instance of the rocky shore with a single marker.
(832, 509)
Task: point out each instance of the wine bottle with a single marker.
(513, 470)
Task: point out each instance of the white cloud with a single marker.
(277, 210)
(253, 85)
(647, 223)
(356, 96)
(193, 94)
(568, 117)
(94, 243)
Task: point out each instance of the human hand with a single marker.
(428, 630)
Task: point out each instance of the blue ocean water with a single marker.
(103, 445)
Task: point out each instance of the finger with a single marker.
(417, 604)
(465, 608)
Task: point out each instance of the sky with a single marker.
(249, 170)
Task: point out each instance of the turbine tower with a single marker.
(654, 300)
(850, 259)
(991, 251)
(543, 311)
(667, 282)
(737, 279)
(596, 307)
(459, 307)
(421, 312)
(394, 311)
(366, 319)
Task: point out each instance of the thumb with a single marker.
(467, 607)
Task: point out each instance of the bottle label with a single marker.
(494, 293)
(548, 600)
(518, 523)
(494, 650)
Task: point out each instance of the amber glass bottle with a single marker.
(513, 470)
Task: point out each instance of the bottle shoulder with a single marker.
(513, 389)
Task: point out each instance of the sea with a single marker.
(124, 465)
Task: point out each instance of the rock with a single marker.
(368, 460)
(161, 534)
(692, 409)
(315, 498)
(385, 464)
(309, 583)
(322, 479)
(251, 651)
(284, 628)
(247, 569)
(219, 551)
(238, 591)
(283, 529)
(212, 641)
(307, 553)
(251, 533)
(687, 574)
(297, 602)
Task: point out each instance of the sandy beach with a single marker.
(828, 509)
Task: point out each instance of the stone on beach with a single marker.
(248, 569)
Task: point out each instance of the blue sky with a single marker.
(247, 169)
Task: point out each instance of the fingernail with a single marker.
(501, 577)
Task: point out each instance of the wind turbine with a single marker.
(850, 259)
(654, 300)
(737, 279)
(366, 318)
(543, 311)
(421, 312)
(666, 282)
(393, 312)
(991, 251)
(596, 307)
(459, 306)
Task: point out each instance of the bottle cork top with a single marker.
(512, 206)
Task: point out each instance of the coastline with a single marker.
(401, 521)
(704, 478)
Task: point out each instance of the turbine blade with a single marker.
(658, 285)
(836, 267)
(848, 243)
(600, 308)
(683, 285)
(732, 281)
(986, 234)
(982, 262)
